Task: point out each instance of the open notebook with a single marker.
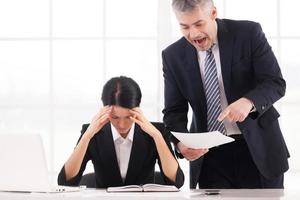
(23, 165)
(144, 188)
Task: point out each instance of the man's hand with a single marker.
(237, 111)
(189, 153)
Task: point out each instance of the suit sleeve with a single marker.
(75, 180)
(270, 86)
(179, 181)
(176, 105)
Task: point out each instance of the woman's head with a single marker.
(123, 94)
(121, 91)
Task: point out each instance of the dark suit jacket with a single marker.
(249, 69)
(101, 152)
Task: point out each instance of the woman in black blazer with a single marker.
(121, 143)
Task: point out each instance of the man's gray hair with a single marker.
(190, 5)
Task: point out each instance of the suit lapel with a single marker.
(225, 41)
(107, 153)
(139, 151)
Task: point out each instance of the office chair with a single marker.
(88, 180)
(158, 179)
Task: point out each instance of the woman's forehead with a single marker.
(120, 111)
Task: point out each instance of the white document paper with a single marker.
(202, 140)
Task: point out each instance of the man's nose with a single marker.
(194, 32)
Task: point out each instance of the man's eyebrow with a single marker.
(200, 20)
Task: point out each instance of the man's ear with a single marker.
(214, 13)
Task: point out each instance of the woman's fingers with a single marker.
(137, 114)
(141, 120)
(100, 119)
(103, 118)
(137, 109)
(134, 119)
(134, 112)
(103, 111)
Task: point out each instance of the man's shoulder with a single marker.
(237, 25)
(238, 22)
(178, 45)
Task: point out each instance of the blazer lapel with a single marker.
(107, 153)
(225, 41)
(139, 151)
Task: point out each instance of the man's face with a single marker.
(199, 27)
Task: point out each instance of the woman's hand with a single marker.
(139, 118)
(73, 164)
(169, 164)
(98, 121)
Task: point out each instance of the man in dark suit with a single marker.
(235, 58)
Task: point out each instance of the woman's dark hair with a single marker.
(121, 91)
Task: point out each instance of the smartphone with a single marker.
(212, 192)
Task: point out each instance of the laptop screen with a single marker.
(23, 164)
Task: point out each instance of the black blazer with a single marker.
(101, 152)
(249, 69)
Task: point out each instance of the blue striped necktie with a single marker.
(212, 91)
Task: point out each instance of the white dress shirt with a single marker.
(231, 127)
(123, 149)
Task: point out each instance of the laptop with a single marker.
(23, 166)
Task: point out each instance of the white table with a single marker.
(87, 194)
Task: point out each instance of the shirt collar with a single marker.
(116, 135)
(216, 36)
(215, 42)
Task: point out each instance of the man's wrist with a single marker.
(253, 108)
